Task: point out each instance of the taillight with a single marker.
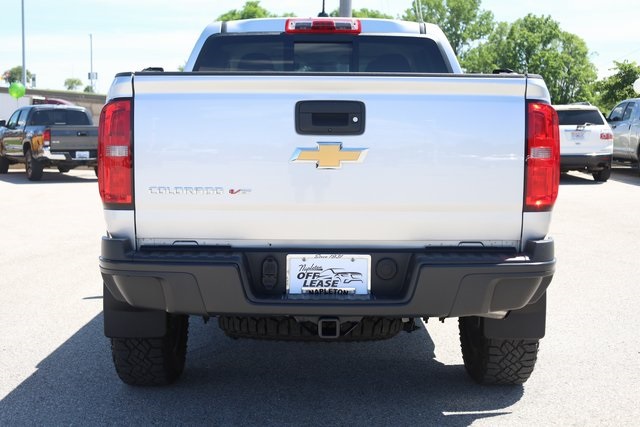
(114, 153)
(606, 136)
(543, 157)
(46, 137)
(323, 25)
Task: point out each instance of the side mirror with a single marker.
(3, 123)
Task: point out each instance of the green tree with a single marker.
(88, 89)
(461, 20)
(72, 83)
(251, 9)
(617, 87)
(537, 44)
(487, 56)
(575, 71)
(364, 13)
(15, 75)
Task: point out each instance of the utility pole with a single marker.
(24, 65)
(91, 59)
(345, 8)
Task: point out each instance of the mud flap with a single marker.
(526, 323)
(123, 321)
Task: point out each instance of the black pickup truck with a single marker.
(45, 135)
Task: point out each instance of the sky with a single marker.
(64, 38)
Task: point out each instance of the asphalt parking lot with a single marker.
(55, 365)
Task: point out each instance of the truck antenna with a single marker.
(323, 14)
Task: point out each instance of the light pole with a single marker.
(92, 75)
(24, 65)
(345, 8)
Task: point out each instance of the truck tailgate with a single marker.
(70, 138)
(444, 161)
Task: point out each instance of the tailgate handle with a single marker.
(330, 117)
(81, 133)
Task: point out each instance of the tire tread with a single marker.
(496, 361)
(152, 361)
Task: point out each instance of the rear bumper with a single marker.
(68, 158)
(591, 162)
(433, 283)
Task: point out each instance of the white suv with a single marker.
(586, 140)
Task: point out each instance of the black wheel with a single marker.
(153, 361)
(63, 170)
(602, 175)
(288, 329)
(495, 361)
(33, 167)
(4, 165)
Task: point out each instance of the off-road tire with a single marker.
(602, 175)
(495, 361)
(33, 167)
(4, 165)
(153, 361)
(288, 329)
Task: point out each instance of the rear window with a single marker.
(579, 117)
(318, 54)
(59, 117)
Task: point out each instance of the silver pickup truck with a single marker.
(47, 135)
(329, 180)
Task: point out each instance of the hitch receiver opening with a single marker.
(329, 328)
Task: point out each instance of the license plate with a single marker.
(82, 154)
(329, 274)
(577, 135)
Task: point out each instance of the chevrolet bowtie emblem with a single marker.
(329, 155)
